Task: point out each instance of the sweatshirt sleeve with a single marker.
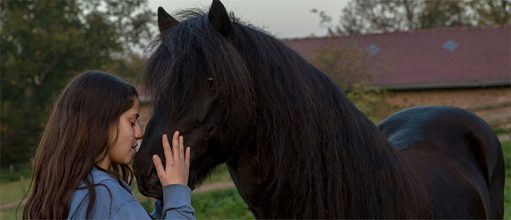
(177, 202)
(131, 210)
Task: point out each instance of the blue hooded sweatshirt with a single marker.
(115, 200)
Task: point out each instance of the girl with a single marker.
(80, 169)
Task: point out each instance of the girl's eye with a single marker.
(132, 124)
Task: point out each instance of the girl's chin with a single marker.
(132, 157)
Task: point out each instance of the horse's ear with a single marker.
(165, 21)
(219, 18)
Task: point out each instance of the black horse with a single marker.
(294, 145)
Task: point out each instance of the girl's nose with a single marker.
(138, 133)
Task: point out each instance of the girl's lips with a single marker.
(135, 146)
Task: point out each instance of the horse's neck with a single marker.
(245, 173)
(363, 128)
(371, 149)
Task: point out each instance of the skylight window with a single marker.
(450, 45)
(373, 49)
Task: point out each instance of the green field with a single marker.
(223, 204)
(507, 189)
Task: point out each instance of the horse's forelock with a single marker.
(189, 55)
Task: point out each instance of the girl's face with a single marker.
(128, 133)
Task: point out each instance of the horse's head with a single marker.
(200, 86)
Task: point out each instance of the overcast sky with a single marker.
(282, 18)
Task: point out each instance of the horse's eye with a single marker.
(210, 82)
(196, 124)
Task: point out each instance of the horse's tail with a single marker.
(487, 150)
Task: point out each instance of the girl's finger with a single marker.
(159, 166)
(181, 148)
(175, 140)
(187, 157)
(175, 148)
(166, 150)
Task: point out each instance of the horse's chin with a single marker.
(150, 187)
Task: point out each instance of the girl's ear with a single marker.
(165, 21)
(219, 18)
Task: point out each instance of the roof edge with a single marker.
(444, 86)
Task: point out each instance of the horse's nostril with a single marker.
(143, 179)
(152, 172)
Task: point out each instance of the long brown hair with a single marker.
(74, 139)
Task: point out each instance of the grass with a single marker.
(13, 191)
(507, 188)
(10, 214)
(21, 171)
(220, 174)
(224, 204)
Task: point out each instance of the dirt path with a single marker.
(504, 137)
(11, 205)
(214, 187)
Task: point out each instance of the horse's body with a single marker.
(456, 155)
(295, 146)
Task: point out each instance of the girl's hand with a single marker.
(177, 163)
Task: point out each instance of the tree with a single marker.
(45, 43)
(346, 66)
(492, 12)
(377, 16)
(446, 14)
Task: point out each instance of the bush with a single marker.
(15, 173)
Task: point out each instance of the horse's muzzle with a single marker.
(149, 185)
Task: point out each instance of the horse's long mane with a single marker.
(326, 158)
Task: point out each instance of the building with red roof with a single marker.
(467, 67)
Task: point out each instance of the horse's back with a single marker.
(456, 155)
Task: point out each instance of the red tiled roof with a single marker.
(420, 59)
